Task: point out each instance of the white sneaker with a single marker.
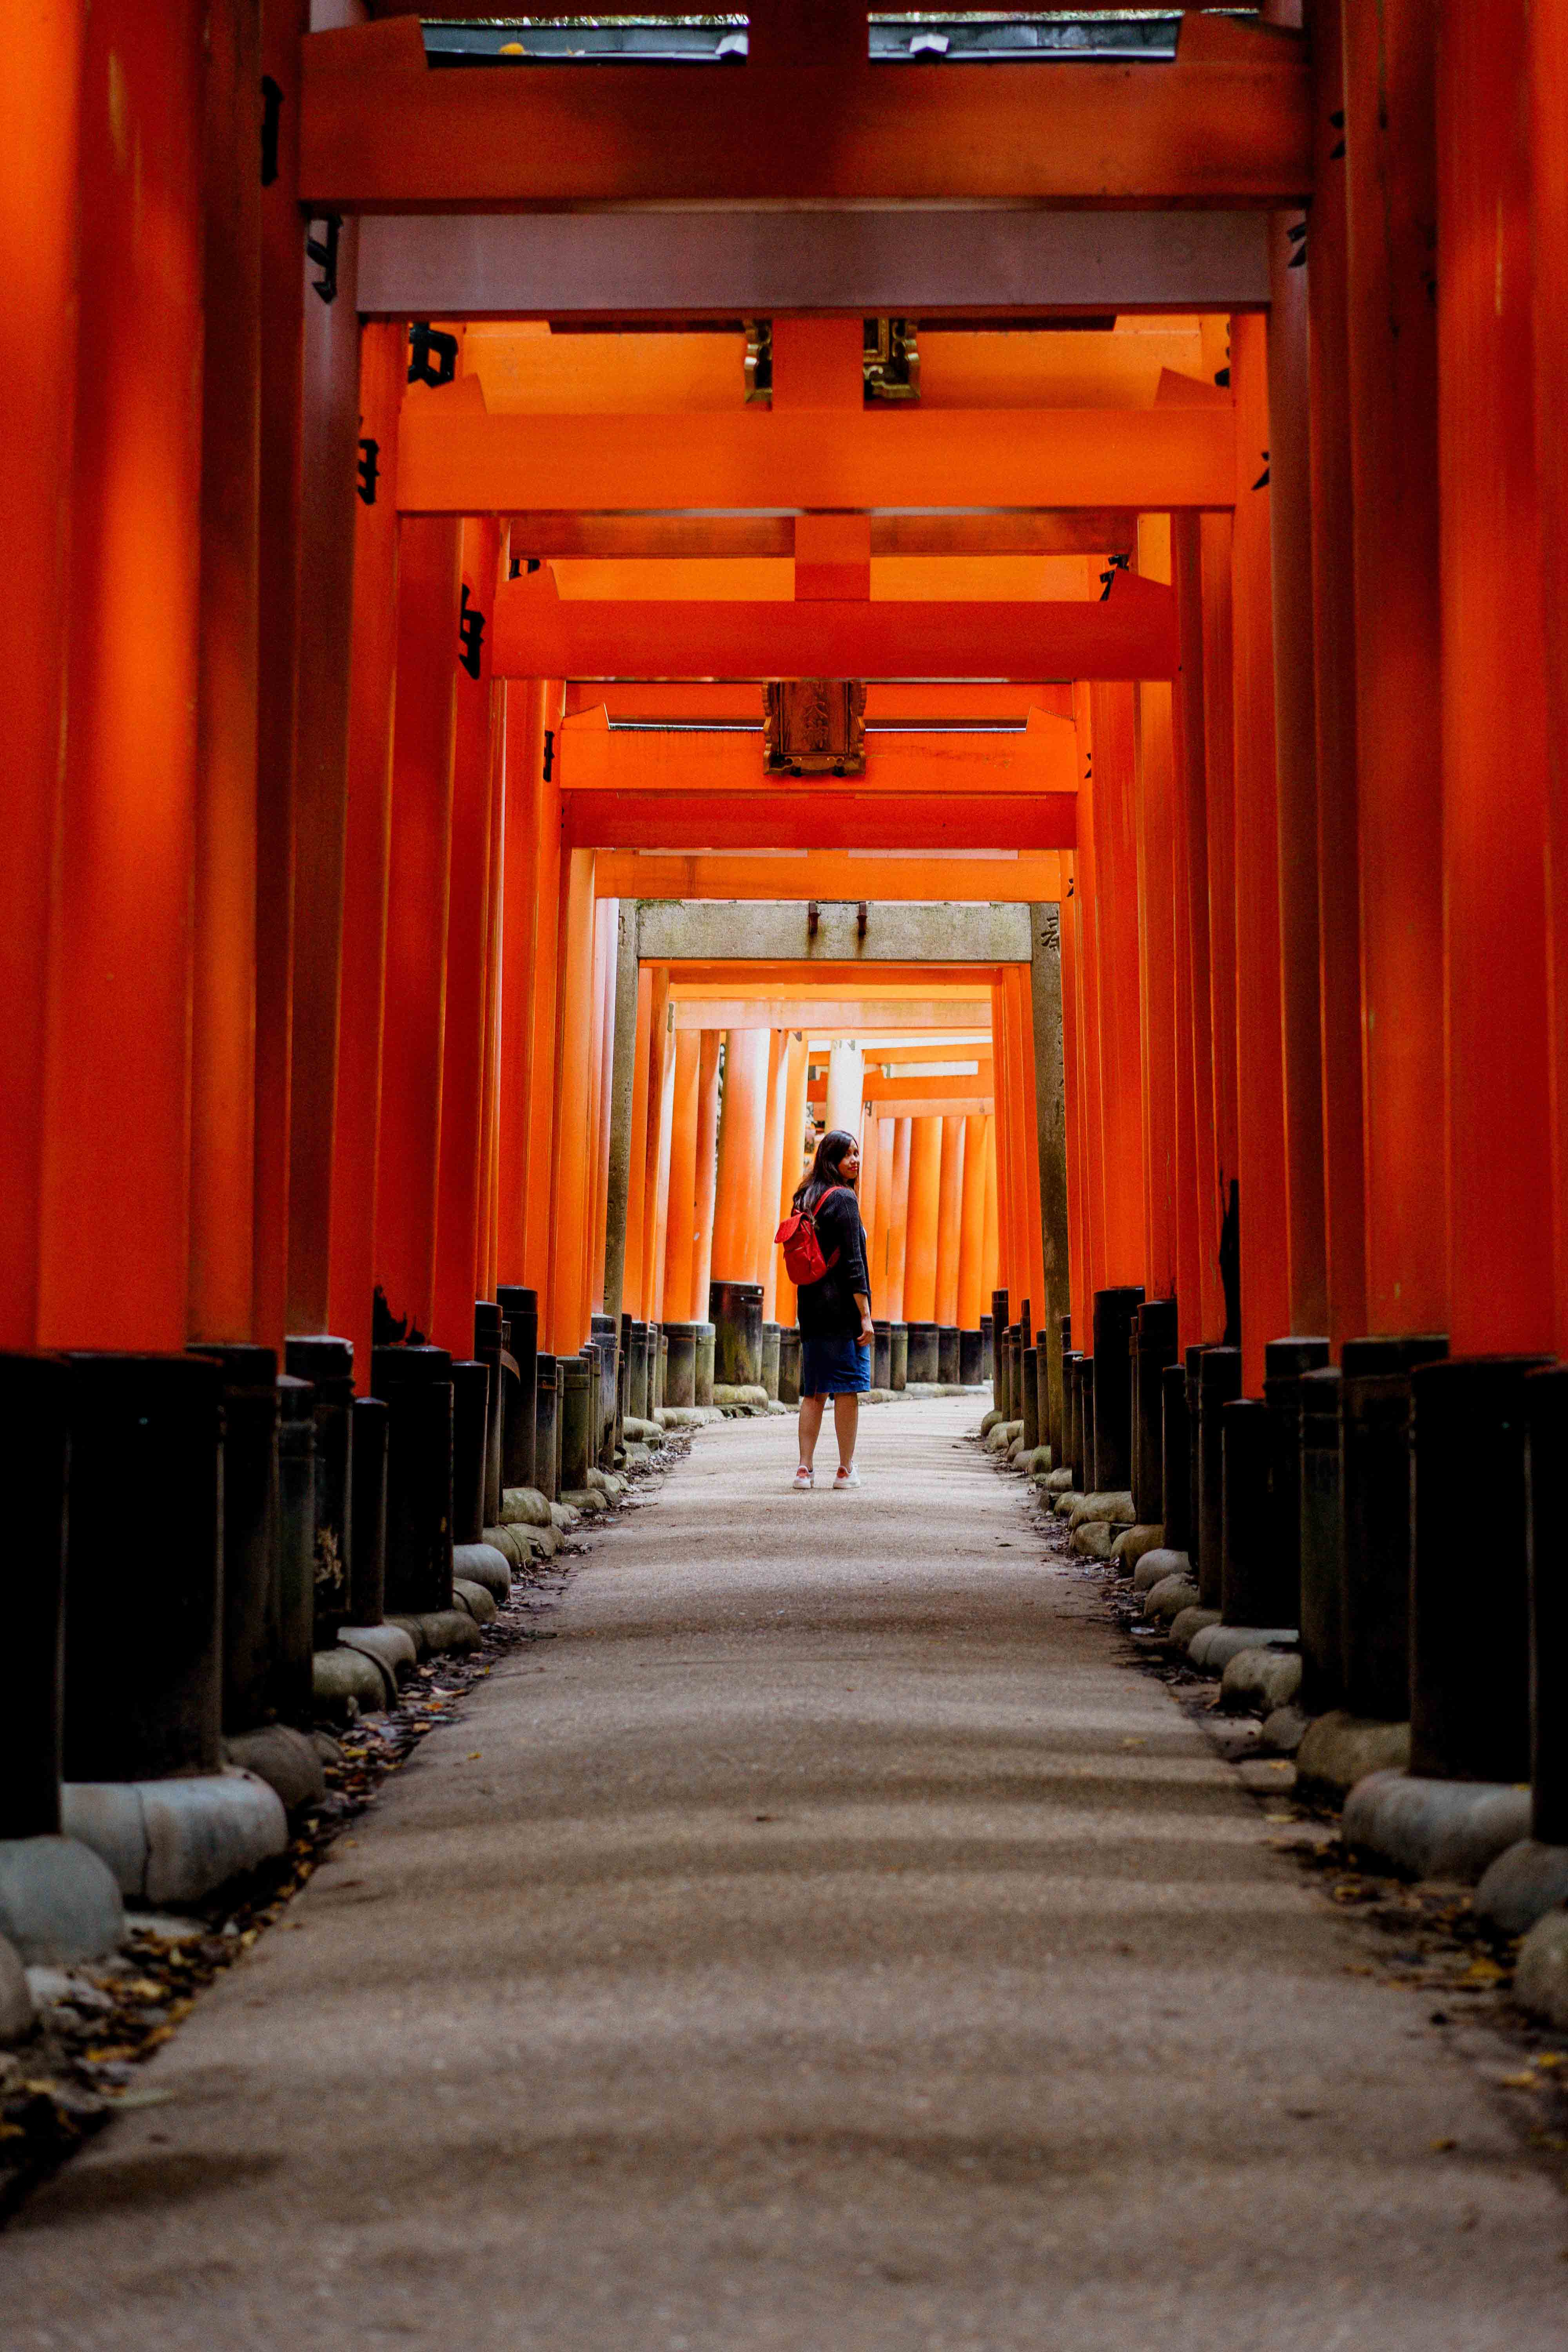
(846, 1478)
(805, 1480)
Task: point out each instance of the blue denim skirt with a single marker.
(835, 1367)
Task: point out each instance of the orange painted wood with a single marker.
(1073, 1092)
(422, 753)
(544, 817)
(634, 1278)
(114, 1182)
(888, 701)
(768, 1257)
(923, 1220)
(223, 1003)
(1216, 536)
(1549, 137)
(367, 845)
(708, 1073)
(740, 1135)
(1129, 897)
(452, 460)
(1133, 636)
(575, 1139)
(284, 24)
(39, 107)
(589, 538)
(459, 1195)
(886, 1130)
(663, 1305)
(1501, 1277)
(989, 1278)
(1334, 641)
(898, 1219)
(973, 1300)
(1391, 192)
(1015, 986)
(802, 819)
(950, 1220)
(1260, 1072)
(606, 924)
(661, 1052)
(383, 133)
(1014, 1276)
(1091, 1030)
(1197, 1192)
(681, 1238)
(1018, 877)
(489, 1272)
(1032, 761)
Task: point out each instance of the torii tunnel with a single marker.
(590, 598)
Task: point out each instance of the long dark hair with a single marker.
(824, 1172)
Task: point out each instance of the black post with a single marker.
(1254, 1589)
(771, 1362)
(972, 1365)
(574, 1375)
(143, 1673)
(1374, 1633)
(545, 1436)
(1323, 1540)
(1072, 1417)
(1087, 1413)
(1219, 1383)
(251, 1598)
(899, 1356)
(947, 1353)
(606, 1339)
(1176, 1460)
(1285, 1363)
(367, 1582)
(882, 1354)
(789, 1365)
(489, 1348)
(1115, 1312)
(1031, 1399)
(1546, 1421)
(328, 1364)
(922, 1356)
(1469, 1648)
(417, 1382)
(707, 1343)
(292, 1692)
(1192, 1361)
(987, 1350)
(735, 1365)
(35, 1460)
(681, 1375)
(1154, 1342)
(521, 1307)
(470, 1443)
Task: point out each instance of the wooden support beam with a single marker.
(1548, 142)
(457, 459)
(1024, 878)
(713, 821)
(1226, 121)
(1024, 766)
(891, 703)
(585, 538)
(1132, 635)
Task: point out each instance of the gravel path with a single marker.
(827, 1942)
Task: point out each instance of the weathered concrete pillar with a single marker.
(1072, 1417)
(1252, 1583)
(35, 1453)
(291, 1691)
(592, 1353)
(998, 1351)
(1175, 1461)
(897, 1356)
(972, 1366)
(1323, 1541)
(881, 1352)
(789, 1365)
(607, 1335)
(521, 1307)
(250, 1535)
(636, 1393)
(327, 1363)
(490, 1347)
(546, 1429)
(987, 1349)
(574, 1375)
(736, 1311)
(771, 1360)
(471, 1418)
(1192, 1361)
(1031, 1412)
(947, 1352)
(663, 1377)
(1285, 1362)
(417, 1385)
(367, 1555)
(706, 1348)
(680, 1374)
(1154, 1347)
(1546, 1425)
(923, 1356)
(1219, 1384)
(1115, 1313)
(1469, 1649)
(1375, 1465)
(1051, 1117)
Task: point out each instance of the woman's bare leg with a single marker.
(810, 1427)
(846, 1425)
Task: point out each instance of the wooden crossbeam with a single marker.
(1021, 877)
(889, 703)
(611, 537)
(666, 769)
(454, 458)
(1132, 635)
(835, 819)
(1228, 123)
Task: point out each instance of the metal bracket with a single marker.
(471, 629)
(549, 751)
(862, 913)
(369, 469)
(271, 108)
(435, 353)
(1107, 578)
(813, 917)
(323, 251)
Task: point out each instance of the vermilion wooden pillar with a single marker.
(410, 1127)
(1022, 1050)
(1334, 643)
(114, 1199)
(1155, 899)
(223, 1005)
(661, 1052)
(637, 1173)
(1118, 916)
(708, 1160)
(367, 843)
(543, 821)
(681, 1238)
(489, 1272)
(883, 1211)
(1200, 1299)
(950, 1219)
(1091, 1030)
(1295, 769)
(740, 1135)
(284, 24)
(664, 1307)
(924, 1208)
(898, 1219)
(1014, 1275)
(1216, 536)
(39, 106)
(791, 1164)
(1494, 774)
(972, 1299)
(606, 924)
(990, 1279)
(1391, 196)
(772, 1169)
(1549, 145)
(458, 1196)
(1260, 1076)
(870, 1168)
(1072, 1087)
(574, 1138)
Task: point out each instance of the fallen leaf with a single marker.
(1444, 2147)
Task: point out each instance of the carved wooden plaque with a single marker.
(813, 727)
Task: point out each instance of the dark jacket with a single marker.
(826, 1309)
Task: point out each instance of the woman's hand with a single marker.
(868, 1331)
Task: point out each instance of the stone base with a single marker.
(989, 1421)
(1167, 1599)
(1066, 1503)
(563, 1518)
(1213, 1648)
(347, 1683)
(1339, 1749)
(519, 1547)
(1115, 1509)
(586, 1499)
(174, 1841)
(60, 1902)
(1284, 1730)
(1133, 1544)
(15, 1996)
(477, 1599)
(1540, 1979)
(1156, 1565)
(1433, 1829)
(481, 1564)
(285, 1758)
(640, 1433)
(448, 1631)
(1256, 1682)
(1059, 1482)
(744, 1393)
(1522, 1885)
(1190, 1622)
(526, 1507)
(390, 1647)
(1091, 1540)
(686, 1416)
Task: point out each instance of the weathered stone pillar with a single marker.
(291, 1676)
(897, 1356)
(1154, 1341)
(680, 1373)
(367, 1555)
(417, 1385)
(327, 1363)
(34, 1450)
(546, 1429)
(1374, 1534)
(521, 1307)
(574, 1375)
(771, 1358)
(1219, 1384)
(1115, 1312)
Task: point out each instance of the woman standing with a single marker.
(835, 1312)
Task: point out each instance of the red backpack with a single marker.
(804, 1261)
